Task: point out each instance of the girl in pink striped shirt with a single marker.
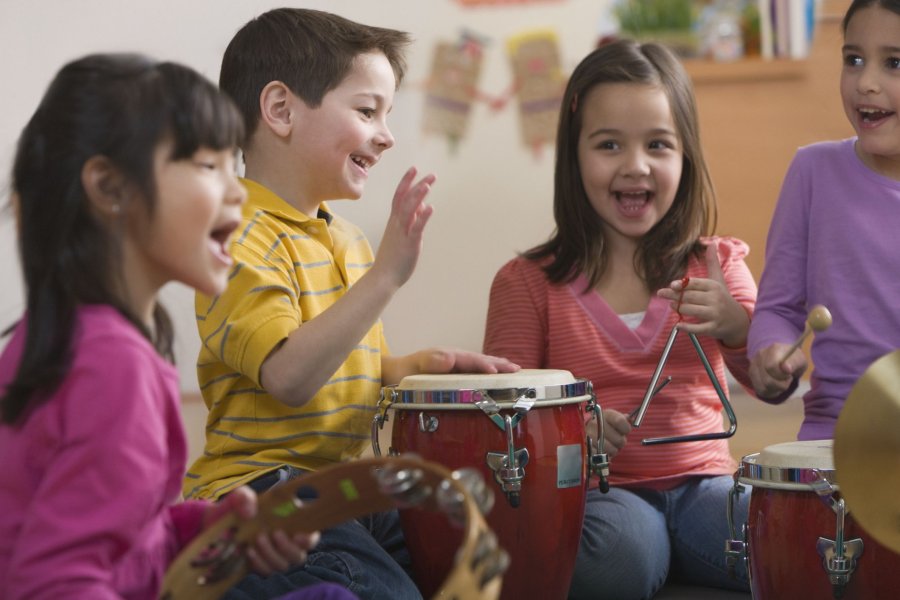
(630, 259)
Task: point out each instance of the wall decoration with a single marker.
(452, 87)
(539, 84)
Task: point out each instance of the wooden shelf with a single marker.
(745, 70)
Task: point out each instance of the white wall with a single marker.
(493, 195)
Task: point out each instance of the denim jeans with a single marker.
(368, 556)
(634, 539)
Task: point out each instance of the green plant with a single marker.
(639, 17)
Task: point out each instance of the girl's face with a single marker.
(870, 86)
(186, 239)
(630, 157)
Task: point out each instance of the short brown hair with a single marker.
(310, 51)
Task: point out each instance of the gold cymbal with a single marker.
(867, 450)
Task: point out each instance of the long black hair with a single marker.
(119, 106)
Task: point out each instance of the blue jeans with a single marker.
(634, 539)
(368, 556)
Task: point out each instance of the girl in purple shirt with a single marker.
(833, 238)
(123, 180)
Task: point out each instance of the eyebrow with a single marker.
(611, 131)
(883, 49)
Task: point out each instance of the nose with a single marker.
(636, 164)
(868, 83)
(235, 192)
(383, 137)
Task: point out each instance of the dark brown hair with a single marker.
(310, 51)
(121, 106)
(857, 5)
(578, 246)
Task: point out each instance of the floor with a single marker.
(759, 425)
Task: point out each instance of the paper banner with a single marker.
(539, 84)
(452, 85)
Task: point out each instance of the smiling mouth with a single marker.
(220, 237)
(363, 163)
(632, 202)
(873, 115)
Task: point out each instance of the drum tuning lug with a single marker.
(428, 424)
(839, 561)
(509, 473)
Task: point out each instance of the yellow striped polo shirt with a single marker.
(289, 268)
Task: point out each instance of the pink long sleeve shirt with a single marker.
(90, 480)
(540, 325)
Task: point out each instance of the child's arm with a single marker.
(310, 355)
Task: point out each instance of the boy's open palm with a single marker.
(402, 241)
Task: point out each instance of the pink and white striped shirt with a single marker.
(545, 326)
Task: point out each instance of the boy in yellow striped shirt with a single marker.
(293, 353)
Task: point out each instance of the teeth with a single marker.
(365, 164)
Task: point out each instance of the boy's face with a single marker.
(340, 140)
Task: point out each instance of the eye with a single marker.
(661, 145)
(608, 145)
(367, 112)
(892, 62)
(853, 60)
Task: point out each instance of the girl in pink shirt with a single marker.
(630, 260)
(123, 180)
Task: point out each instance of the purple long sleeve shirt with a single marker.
(834, 240)
(90, 480)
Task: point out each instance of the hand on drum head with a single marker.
(439, 361)
(772, 373)
(616, 429)
(272, 552)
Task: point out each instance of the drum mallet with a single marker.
(818, 320)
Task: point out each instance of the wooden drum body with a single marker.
(801, 539)
(533, 417)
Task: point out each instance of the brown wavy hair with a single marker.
(578, 245)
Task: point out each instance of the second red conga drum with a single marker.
(534, 417)
(792, 530)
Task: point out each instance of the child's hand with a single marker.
(769, 375)
(615, 428)
(401, 244)
(709, 305)
(272, 552)
(453, 360)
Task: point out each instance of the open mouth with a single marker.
(363, 163)
(219, 239)
(871, 116)
(632, 203)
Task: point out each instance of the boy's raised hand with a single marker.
(709, 306)
(401, 244)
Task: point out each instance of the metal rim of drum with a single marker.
(782, 478)
(505, 398)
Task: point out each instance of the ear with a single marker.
(275, 103)
(105, 186)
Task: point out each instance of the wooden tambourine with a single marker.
(214, 561)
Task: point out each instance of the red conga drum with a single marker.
(801, 539)
(525, 432)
